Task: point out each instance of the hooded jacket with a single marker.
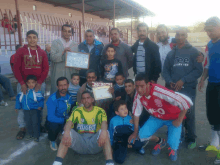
(32, 100)
(152, 59)
(58, 107)
(95, 55)
(30, 62)
(181, 64)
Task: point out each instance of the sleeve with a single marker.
(196, 72)
(102, 116)
(56, 54)
(111, 131)
(167, 69)
(18, 103)
(51, 109)
(120, 69)
(40, 99)
(45, 69)
(137, 105)
(17, 66)
(157, 64)
(129, 56)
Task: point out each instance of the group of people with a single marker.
(137, 108)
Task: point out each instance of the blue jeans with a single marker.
(153, 124)
(20, 119)
(5, 82)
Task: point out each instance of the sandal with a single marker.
(20, 135)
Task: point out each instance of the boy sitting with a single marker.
(32, 103)
(120, 129)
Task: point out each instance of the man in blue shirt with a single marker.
(58, 110)
(212, 27)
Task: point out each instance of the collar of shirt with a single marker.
(66, 44)
(90, 47)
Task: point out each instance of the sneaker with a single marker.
(29, 137)
(158, 147)
(53, 145)
(191, 145)
(217, 160)
(172, 154)
(141, 151)
(2, 103)
(36, 139)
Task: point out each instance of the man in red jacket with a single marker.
(30, 60)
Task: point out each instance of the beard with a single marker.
(63, 91)
(164, 39)
(87, 105)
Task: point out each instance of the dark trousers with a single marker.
(120, 150)
(32, 120)
(53, 130)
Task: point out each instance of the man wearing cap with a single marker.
(30, 60)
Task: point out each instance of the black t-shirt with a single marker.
(109, 68)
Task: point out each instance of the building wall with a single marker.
(49, 9)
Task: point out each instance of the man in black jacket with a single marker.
(147, 56)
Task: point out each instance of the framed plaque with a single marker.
(77, 60)
(100, 90)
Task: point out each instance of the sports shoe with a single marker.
(53, 145)
(36, 139)
(158, 147)
(172, 154)
(217, 160)
(29, 137)
(191, 145)
(141, 151)
(2, 103)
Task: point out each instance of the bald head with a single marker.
(212, 27)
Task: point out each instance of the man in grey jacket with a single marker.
(181, 71)
(123, 51)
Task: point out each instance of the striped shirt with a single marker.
(140, 63)
(73, 89)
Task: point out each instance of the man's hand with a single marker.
(67, 139)
(178, 85)
(176, 123)
(200, 85)
(37, 87)
(24, 88)
(67, 49)
(172, 85)
(111, 90)
(118, 98)
(102, 138)
(200, 58)
(39, 108)
(133, 137)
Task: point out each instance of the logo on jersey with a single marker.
(159, 110)
(82, 120)
(158, 103)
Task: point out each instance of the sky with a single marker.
(180, 12)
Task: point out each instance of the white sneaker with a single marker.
(217, 161)
(57, 163)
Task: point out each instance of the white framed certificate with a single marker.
(77, 60)
(100, 90)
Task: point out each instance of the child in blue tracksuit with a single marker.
(120, 128)
(32, 103)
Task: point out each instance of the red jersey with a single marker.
(161, 103)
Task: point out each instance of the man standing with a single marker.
(212, 27)
(181, 71)
(30, 60)
(58, 110)
(147, 56)
(94, 48)
(123, 51)
(92, 135)
(59, 48)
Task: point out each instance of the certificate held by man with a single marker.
(101, 90)
(77, 60)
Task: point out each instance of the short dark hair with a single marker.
(142, 76)
(61, 79)
(90, 31)
(74, 74)
(91, 71)
(66, 25)
(118, 103)
(110, 46)
(17, 47)
(129, 81)
(212, 21)
(31, 32)
(31, 77)
(115, 29)
(119, 74)
(90, 93)
(142, 25)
